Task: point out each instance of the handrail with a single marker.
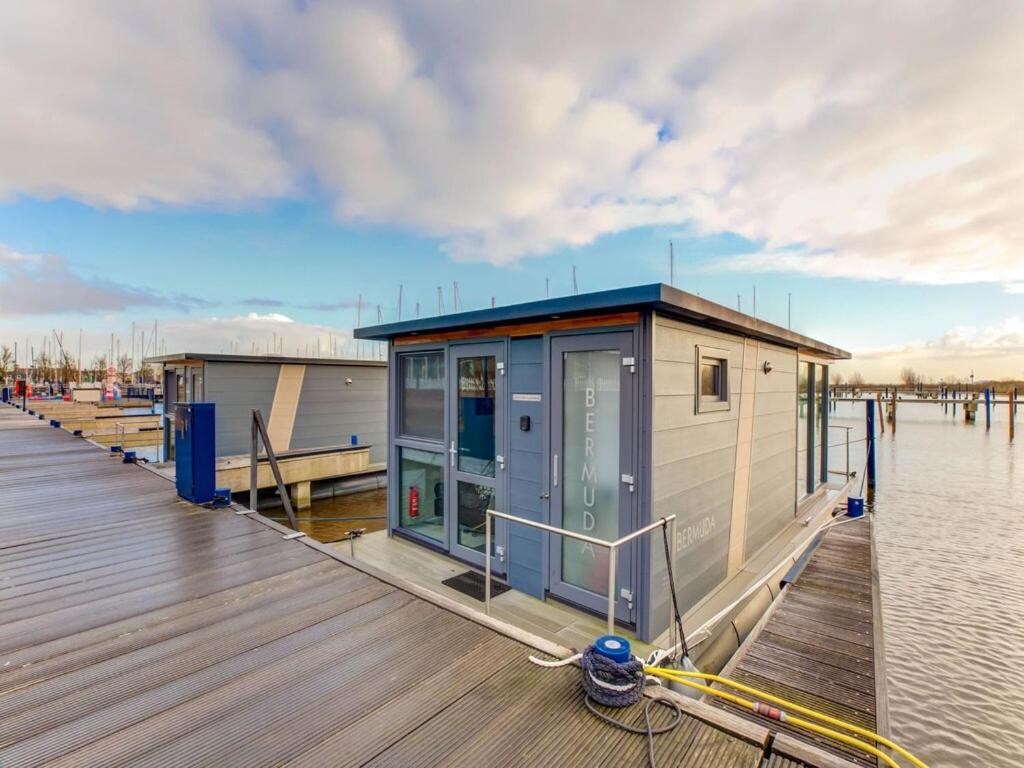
(611, 546)
(847, 428)
(259, 430)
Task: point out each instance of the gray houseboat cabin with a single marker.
(600, 413)
(306, 402)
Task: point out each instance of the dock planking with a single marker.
(820, 644)
(138, 629)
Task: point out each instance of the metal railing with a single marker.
(844, 427)
(611, 546)
(259, 430)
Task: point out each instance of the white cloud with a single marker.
(251, 333)
(881, 139)
(995, 351)
(44, 284)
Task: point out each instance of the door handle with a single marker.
(545, 495)
(554, 471)
(501, 461)
(451, 454)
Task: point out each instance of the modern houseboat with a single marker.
(325, 417)
(599, 414)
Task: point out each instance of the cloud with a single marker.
(252, 333)
(995, 351)
(882, 151)
(37, 284)
(257, 301)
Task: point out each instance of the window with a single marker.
(421, 390)
(712, 380)
(803, 431)
(421, 493)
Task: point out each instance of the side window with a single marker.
(712, 386)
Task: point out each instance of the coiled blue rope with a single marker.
(618, 685)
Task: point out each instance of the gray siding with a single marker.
(238, 388)
(331, 411)
(694, 459)
(526, 465)
(772, 498)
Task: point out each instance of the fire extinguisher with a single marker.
(414, 501)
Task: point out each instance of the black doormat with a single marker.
(472, 583)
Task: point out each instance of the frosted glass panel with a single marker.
(590, 445)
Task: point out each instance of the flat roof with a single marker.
(659, 297)
(184, 358)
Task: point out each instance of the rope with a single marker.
(617, 685)
(672, 588)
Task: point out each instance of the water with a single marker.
(950, 532)
(330, 519)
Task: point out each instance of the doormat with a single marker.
(472, 583)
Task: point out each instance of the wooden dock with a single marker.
(137, 629)
(820, 645)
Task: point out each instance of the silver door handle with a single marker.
(501, 461)
(554, 471)
(451, 454)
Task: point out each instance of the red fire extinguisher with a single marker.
(414, 501)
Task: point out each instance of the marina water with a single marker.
(949, 513)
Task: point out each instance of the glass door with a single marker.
(592, 485)
(475, 459)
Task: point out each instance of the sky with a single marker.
(271, 172)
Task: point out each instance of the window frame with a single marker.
(710, 404)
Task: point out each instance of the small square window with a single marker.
(712, 391)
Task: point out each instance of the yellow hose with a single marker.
(679, 676)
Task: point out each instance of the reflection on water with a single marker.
(950, 529)
(330, 519)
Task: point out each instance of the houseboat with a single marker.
(325, 417)
(600, 414)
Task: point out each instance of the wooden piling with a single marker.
(881, 413)
(1011, 410)
(895, 390)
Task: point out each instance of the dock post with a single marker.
(988, 408)
(252, 465)
(954, 403)
(870, 424)
(1011, 407)
(945, 400)
(894, 411)
(881, 413)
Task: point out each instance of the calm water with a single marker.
(950, 530)
(330, 519)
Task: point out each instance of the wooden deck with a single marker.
(820, 644)
(137, 629)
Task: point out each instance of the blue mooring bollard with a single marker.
(855, 507)
(988, 408)
(115, 449)
(129, 457)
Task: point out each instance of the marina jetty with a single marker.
(138, 629)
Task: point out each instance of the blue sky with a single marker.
(296, 157)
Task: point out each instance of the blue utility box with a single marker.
(195, 452)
